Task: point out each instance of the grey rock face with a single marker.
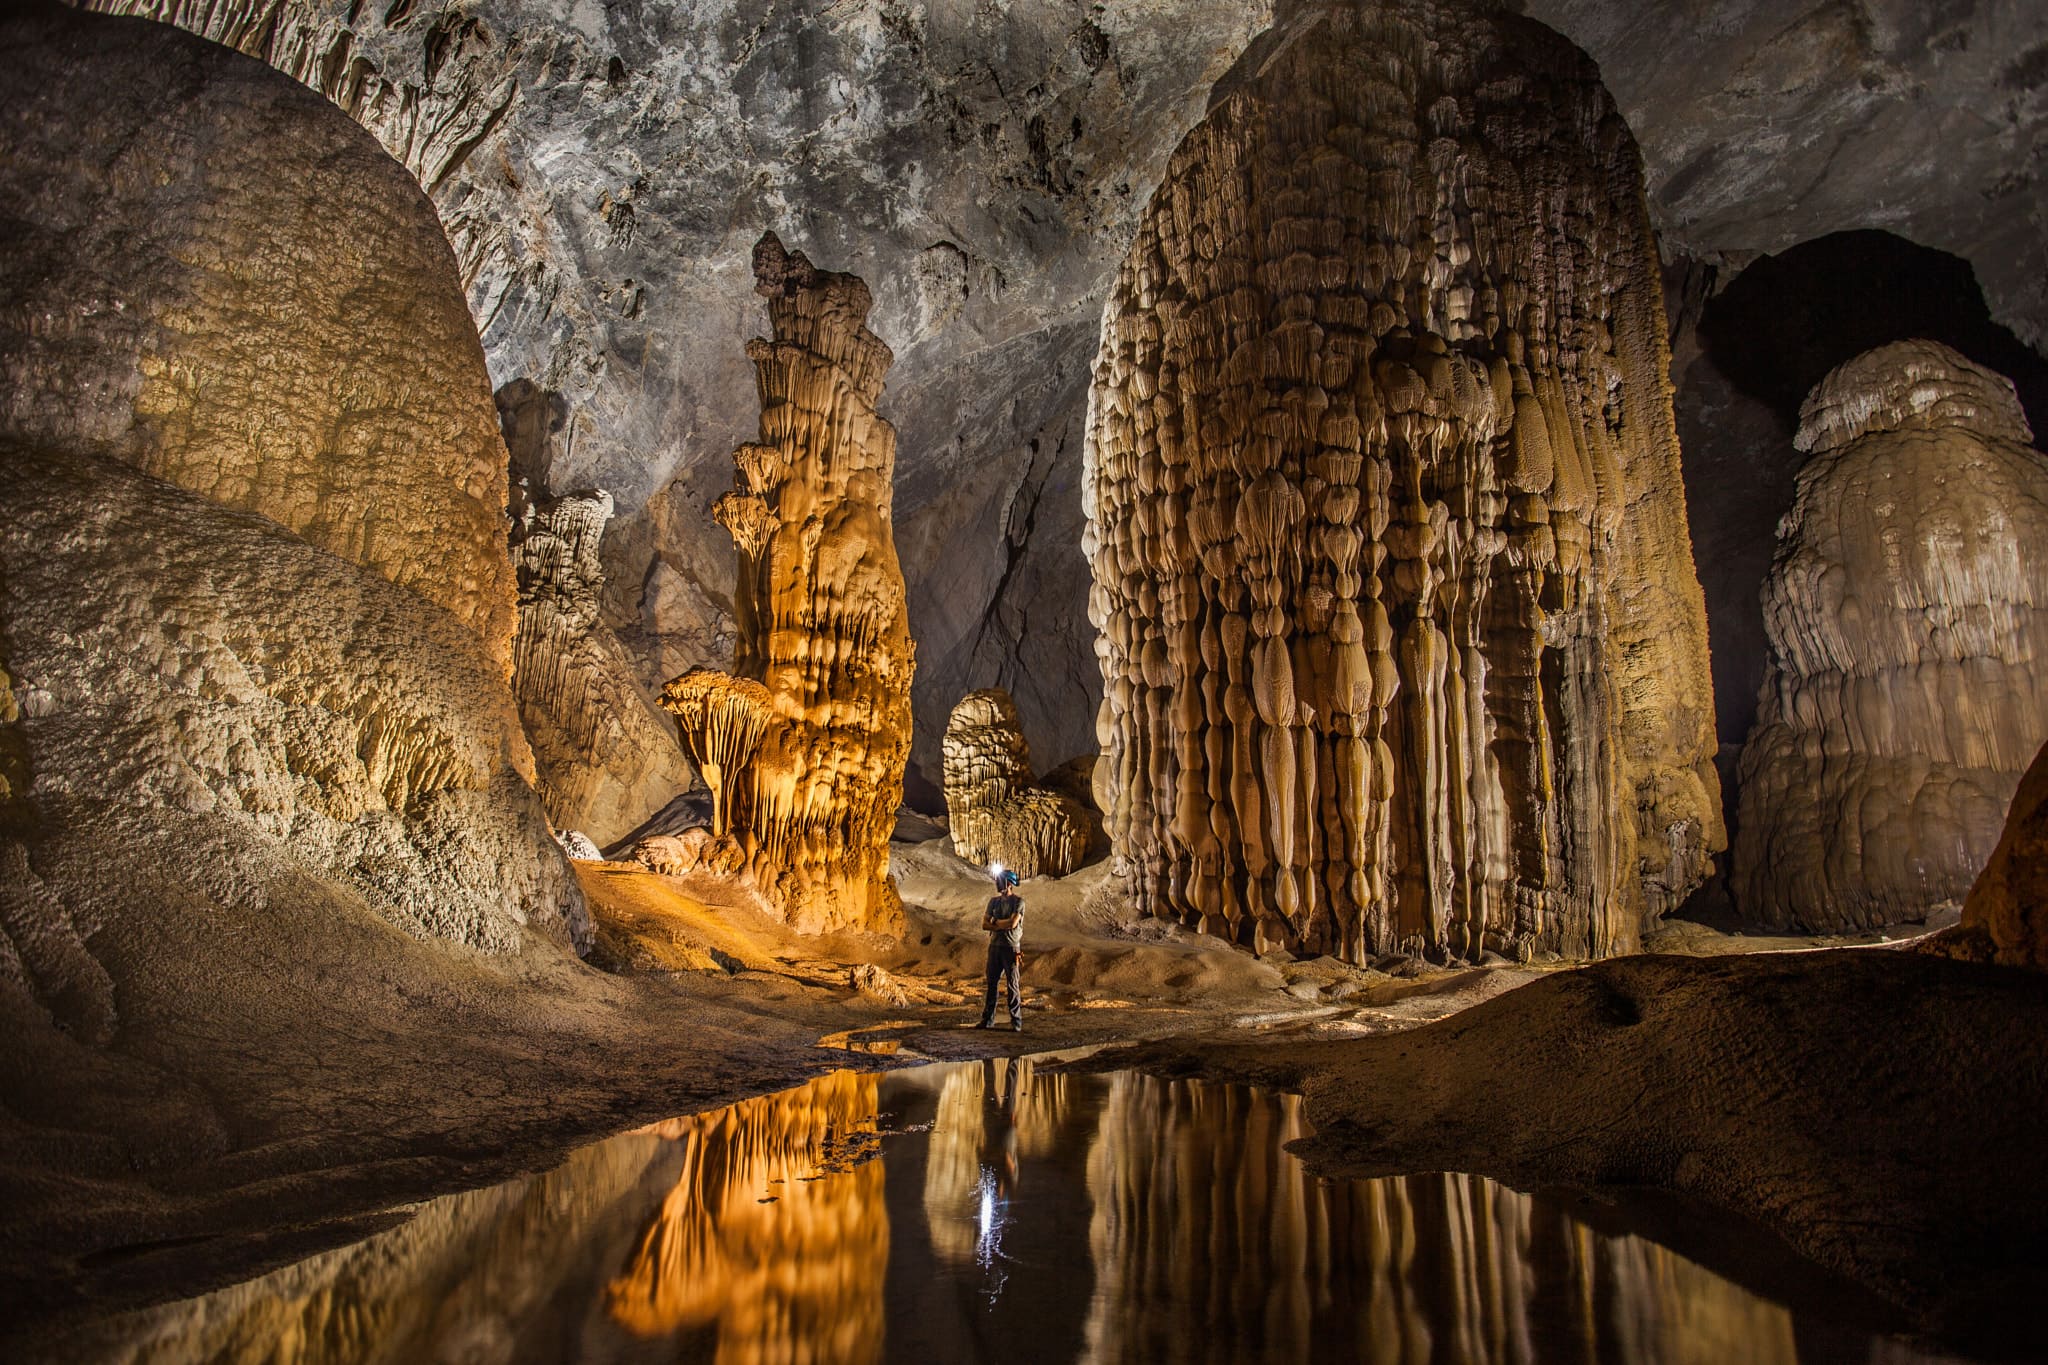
(602, 175)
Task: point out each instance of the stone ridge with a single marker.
(1908, 385)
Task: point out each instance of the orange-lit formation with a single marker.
(792, 1276)
(820, 615)
(997, 811)
(1400, 638)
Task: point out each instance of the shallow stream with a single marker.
(988, 1211)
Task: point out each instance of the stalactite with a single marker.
(1908, 614)
(997, 810)
(1401, 642)
(819, 605)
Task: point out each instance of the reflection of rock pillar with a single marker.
(820, 602)
(716, 1253)
(1381, 375)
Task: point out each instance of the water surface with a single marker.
(985, 1211)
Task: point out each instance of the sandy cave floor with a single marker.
(701, 1005)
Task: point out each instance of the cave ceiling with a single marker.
(603, 173)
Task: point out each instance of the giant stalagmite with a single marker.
(1908, 619)
(819, 603)
(1401, 641)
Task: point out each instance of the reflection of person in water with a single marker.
(997, 1179)
(999, 1127)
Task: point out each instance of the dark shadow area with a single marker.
(1760, 344)
(1788, 319)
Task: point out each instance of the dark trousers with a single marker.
(1003, 964)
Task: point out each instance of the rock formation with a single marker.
(605, 755)
(2008, 907)
(162, 257)
(811, 788)
(590, 171)
(256, 609)
(1402, 645)
(997, 811)
(1908, 619)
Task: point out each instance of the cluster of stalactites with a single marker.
(820, 604)
(997, 811)
(1366, 417)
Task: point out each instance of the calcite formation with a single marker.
(256, 609)
(221, 281)
(997, 810)
(811, 787)
(2007, 910)
(605, 755)
(1401, 642)
(1908, 618)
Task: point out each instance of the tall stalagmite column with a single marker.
(1401, 639)
(820, 604)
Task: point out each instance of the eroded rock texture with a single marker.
(255, 607)
(1402, 643)
(606, 757)
(162, 256)
(2008, 906)
(812, 791)
(997, 810)
(1908, 618)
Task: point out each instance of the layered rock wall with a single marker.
(1907, 612)
(1402, 645)
(820, 609)
(605, 755)
(997, 810)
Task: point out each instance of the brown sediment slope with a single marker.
(1880, 1111)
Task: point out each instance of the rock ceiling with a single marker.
(603, 176)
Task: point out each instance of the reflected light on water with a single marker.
(986, 1211)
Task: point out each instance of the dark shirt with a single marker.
(1003, 907)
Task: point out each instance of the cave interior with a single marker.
(1485, 564)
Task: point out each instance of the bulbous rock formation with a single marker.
(1908, 619)
(255, 608)
(1401, 641)
(605, 755)
(995, 807)
(161, 260)
(819, 602)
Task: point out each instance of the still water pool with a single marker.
(986, 1211)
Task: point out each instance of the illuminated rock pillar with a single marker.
(820, 606)
(1401, 641)
(1908, 618)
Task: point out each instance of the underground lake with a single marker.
(994, 1210)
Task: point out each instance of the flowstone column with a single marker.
(820, 607)
(1401, 641)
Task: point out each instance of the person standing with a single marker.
(1004, 921)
